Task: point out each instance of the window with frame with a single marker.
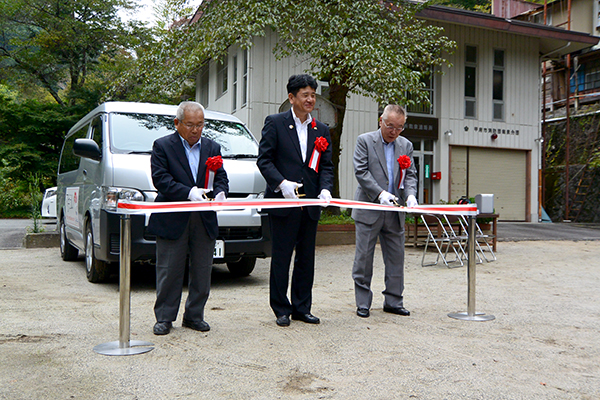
(69, 161)
(498, 86)
(424, 107)
(471, 82)
(245, 79)
(234, 84)
(203, 83)
(591, 71)
(222, 76)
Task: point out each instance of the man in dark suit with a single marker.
(179, 169)
(384, 168)
(295, 153)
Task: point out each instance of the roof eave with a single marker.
(552, 39)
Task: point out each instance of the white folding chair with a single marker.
(442, 241)
(479, 237)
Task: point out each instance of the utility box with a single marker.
(485, 203)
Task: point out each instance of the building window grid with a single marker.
(471, 82)
(498, 85)
(222, 76)
(234, 85)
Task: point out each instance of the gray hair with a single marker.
(187, 106)
(395, 109)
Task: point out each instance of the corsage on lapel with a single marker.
(212, 165)
(404, 162)
(321, 145)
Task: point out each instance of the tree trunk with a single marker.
(338, 94)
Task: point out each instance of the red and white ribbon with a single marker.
(142, 207)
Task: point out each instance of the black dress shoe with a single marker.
(308, 318)
(396, 310)
(283, 320)
(162, 328)
(201, 326)
(362, 312)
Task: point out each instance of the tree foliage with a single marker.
(374, 48)
(56, 45)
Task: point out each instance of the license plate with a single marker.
(219, 249)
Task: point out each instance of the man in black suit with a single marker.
(179, 167)
(295, 153)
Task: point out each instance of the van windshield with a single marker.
(135, 133)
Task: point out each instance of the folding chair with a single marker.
(479, 237)
(442, 241)
(460, 238)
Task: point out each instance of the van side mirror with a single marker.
(87, 148)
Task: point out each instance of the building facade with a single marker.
(479, 135)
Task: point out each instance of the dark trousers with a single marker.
(296, 230)
(170, 269)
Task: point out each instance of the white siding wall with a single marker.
(521, 100)
(268, 78)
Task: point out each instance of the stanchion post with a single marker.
(471, 315)
(124, 346)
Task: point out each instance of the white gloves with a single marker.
(288, 189)
(387, 198)
(411, 201)
(220, 196)
(325, 195)
(198, 194)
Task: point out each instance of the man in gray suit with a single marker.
(384, 168)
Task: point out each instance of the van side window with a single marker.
(97, 131)
(68, 160)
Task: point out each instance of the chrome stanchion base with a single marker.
(115, 349)
(476, 317)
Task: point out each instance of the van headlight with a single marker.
(114, 194)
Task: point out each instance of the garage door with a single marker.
(500, 172)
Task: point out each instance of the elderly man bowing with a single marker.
(179, 172)
(384, 168)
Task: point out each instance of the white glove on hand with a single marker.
(411, 201)
(220, 196)
(325, 195)
(387, 198)
(198, 194)
(288, 189)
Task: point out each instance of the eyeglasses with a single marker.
(191, 126)
(392, 128)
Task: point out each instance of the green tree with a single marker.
(374, 48)
(56, 45)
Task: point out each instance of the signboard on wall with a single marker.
(421, 127)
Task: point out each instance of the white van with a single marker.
(106, 156)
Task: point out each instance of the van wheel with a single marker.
(67, 251)
(244, 267)
(96, 270)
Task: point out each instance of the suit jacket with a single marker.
(279, 158)
(370, 169)
(172, 177)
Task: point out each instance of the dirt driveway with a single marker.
(543, 344)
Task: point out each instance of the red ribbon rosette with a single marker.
(404, 163)
(321, 145)
(212, 165)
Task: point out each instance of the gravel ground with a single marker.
(543, 344)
